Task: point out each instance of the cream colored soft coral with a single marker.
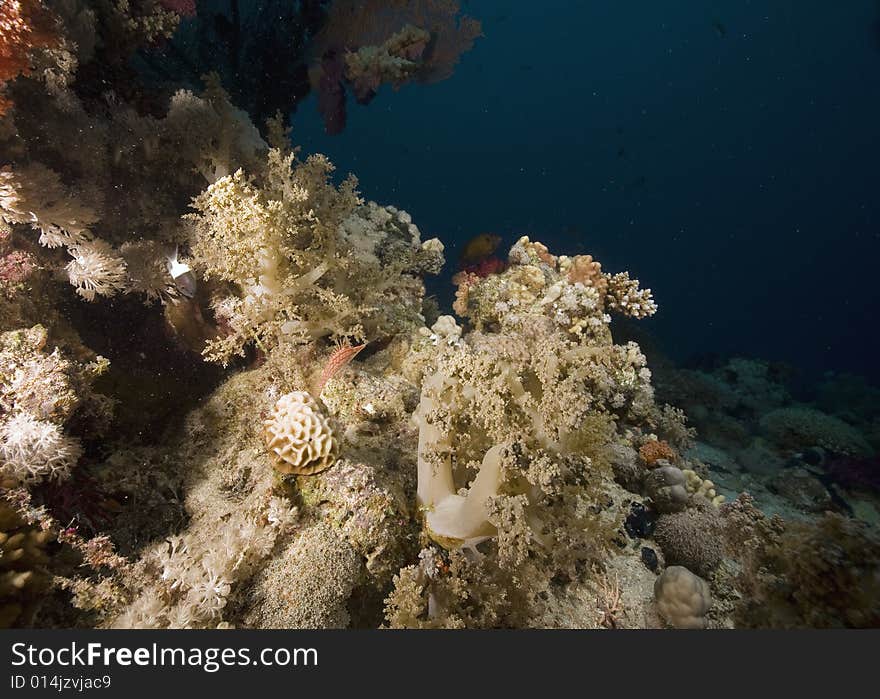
(299, 436)
(33, 450)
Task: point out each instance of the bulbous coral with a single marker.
(667, 487)
(682, 598)
(299, 436)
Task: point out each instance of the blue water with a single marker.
(726, 153)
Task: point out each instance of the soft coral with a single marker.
(24, 25)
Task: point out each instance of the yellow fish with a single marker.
(479, 248)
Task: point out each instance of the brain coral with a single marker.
(299, 436)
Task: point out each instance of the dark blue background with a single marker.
(726, 153)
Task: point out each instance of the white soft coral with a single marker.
(95, 270)
(32, 450)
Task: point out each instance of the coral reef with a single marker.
(820, 573)
(796, 428)
(314, 443)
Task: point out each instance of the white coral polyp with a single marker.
(299, 436)
(32, 450)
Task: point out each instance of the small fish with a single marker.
(337, 361)
(183, 276)
(720, 29)
(479, 248)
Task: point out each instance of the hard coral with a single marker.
(537, 282)
(683, 599)
(308, 586)
(299, 436)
